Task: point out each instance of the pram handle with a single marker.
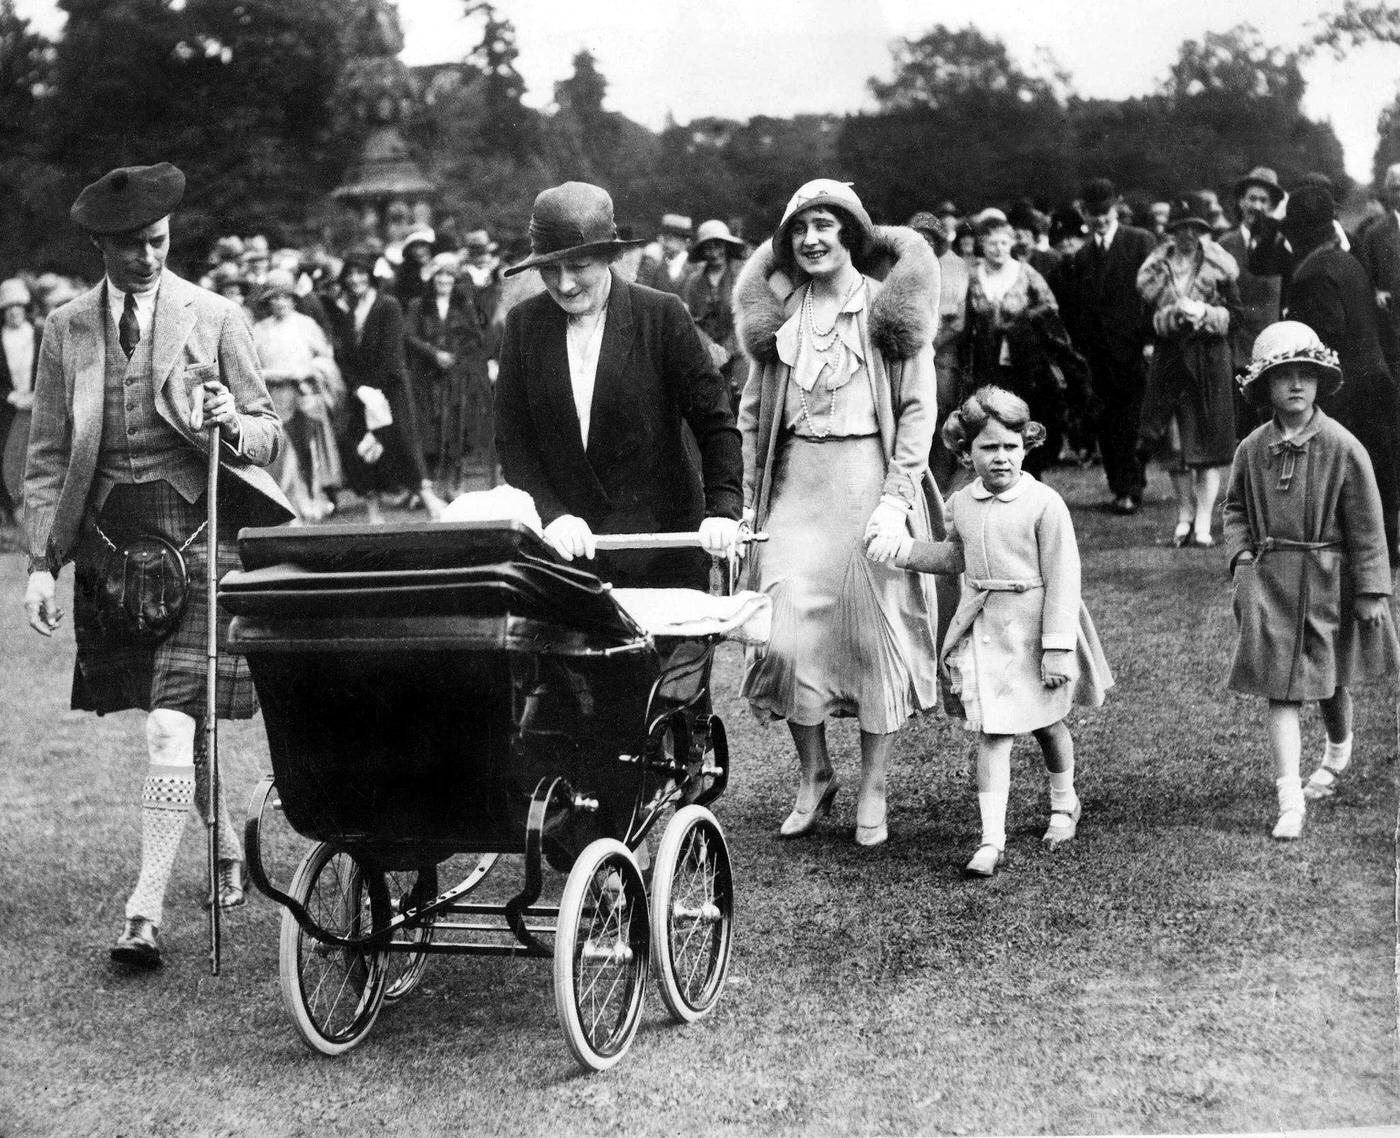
(614, 541)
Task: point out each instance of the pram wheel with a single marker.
(333, 994)
(692, 913)
(408, 889)
(601, 949)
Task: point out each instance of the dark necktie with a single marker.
(128, 331)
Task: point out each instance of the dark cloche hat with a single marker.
(571, 220)
(1191, 210)
(1265, 179)
(1067, 222)
(128, 198)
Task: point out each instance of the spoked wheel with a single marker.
(333, 994)
(692, 913)
(601, 950)
(407, 890)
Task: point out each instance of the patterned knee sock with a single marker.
(165, 798)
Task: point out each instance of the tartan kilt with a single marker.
(114, 672)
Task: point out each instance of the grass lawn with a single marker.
(1172, 969)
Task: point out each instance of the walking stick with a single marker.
(211, 719)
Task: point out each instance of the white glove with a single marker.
(39, 606)
(370, 449)
(718, 536)
(377, 413)
(888, 524)
(570, 536)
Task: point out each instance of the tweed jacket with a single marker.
(196, 335)
(637, 472)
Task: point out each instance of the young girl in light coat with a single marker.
(1021, 647)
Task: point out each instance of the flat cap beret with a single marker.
(130, 197)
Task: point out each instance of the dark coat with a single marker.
(1110, 318)
(453, 403)
(639, 473)
(1331, 294)
(375, 358)
(1378, 249)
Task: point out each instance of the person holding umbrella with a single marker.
(132, 375)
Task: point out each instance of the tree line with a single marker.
(251, 98)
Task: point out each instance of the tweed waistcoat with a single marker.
(137, 444)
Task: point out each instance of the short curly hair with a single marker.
(979, 409)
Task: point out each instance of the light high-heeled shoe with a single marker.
(874, 835)
(800, 822)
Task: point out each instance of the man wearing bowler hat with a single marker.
(598, 380)
(131, 375)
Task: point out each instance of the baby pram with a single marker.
(431, 691)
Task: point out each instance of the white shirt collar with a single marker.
(1108, 237)
(145, 305)
(584, 346)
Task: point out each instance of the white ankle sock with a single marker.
(165, 799)
(991, 804)
(1063, 799)
(1337, 756)
(1290, 795)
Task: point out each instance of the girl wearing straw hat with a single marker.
(1307, 551)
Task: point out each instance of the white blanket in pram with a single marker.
(745, 617)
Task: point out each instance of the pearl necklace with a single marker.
(821, 342)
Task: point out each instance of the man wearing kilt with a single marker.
(131, 375)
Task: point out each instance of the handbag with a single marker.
(143, 588)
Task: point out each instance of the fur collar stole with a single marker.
(1218, 267)
(903, 312)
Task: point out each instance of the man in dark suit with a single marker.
(1331, 294)
(598, 381)
(1111, 327)
(1379, 251)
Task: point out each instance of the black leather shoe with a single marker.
(138, 946)
(231, 889)
(1124, 504)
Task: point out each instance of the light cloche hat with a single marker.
(1289, 342)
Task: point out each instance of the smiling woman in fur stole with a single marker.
(837, 417)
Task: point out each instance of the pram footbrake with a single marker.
(436, 691)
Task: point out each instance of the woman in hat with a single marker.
(380, 450)
(19, 353)
(709, 294)
(300, 371)
(837, 417)
(447, 356)
(1330, 292)
(1307, 550)
(1015, 339)
(1190, 284)
(600, 380)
